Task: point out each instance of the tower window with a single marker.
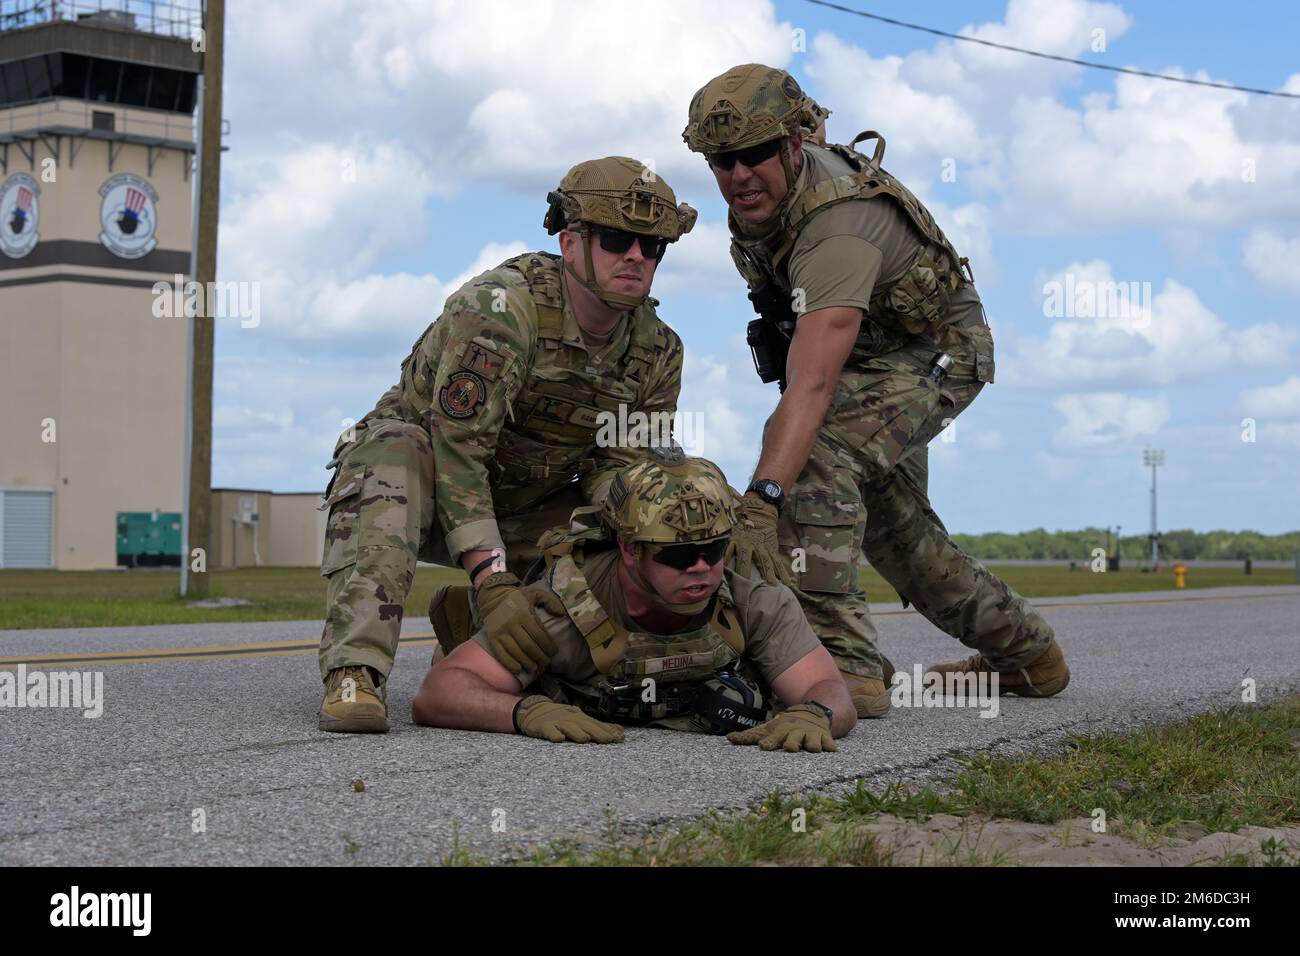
(104, 76)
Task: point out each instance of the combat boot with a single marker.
(353, 704)
(1045, 675)
(451, 617)
(870, 695)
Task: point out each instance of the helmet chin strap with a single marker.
(615, 300)
(688, 609)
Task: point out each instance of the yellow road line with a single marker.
(426, 638)
(194, 653)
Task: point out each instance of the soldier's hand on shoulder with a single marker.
(754, 542)
(543, 718)
(518, 639)
(801, 727)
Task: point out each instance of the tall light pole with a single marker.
(1154, 458)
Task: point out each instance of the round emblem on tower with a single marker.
(19, 215)
(127, 216)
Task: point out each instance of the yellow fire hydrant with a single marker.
(1180, 575)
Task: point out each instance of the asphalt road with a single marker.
(221, 718)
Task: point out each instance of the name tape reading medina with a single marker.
(79, 690)
(103, 909)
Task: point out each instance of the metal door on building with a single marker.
(26, 528)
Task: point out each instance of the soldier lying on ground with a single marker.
(652, 629)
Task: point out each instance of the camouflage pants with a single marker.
(381, 521)
(864, 490)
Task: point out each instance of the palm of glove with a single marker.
(754, 542)
(802, 727)
(518, 639)
(543, 718)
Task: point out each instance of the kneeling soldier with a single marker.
(655, 631)
(492, 435)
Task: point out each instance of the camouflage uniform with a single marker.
(488, 440)
(748, 628)
(848, 234)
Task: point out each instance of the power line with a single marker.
(1052, 56)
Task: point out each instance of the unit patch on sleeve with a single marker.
(482, 360)
(463, 395)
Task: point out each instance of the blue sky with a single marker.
(375, 165)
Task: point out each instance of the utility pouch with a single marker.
(769, 335)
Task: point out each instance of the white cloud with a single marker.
(700, 263)
(1169, 338)
(730, 406)
(312, 229)
(492, 89)
(1106, 418)
(276, 417)
(1278, 402)
(1147, 152)
(1273, 260)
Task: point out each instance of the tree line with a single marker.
(1078, 545)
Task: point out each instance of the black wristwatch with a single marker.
(769, 490)
(830, 714)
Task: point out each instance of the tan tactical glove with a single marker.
(754, 544)
(543, 718)
(801, 727)
(517, 637)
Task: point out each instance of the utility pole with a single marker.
(198, 453)
(1154, 458)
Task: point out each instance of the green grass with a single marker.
(1219, 771)
(123, 598)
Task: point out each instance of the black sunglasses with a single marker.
(751, 157)
(618, 242)
(679, 557)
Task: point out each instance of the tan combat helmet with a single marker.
(669, 498)
(618, 193)
(666, 499)
(748, 105)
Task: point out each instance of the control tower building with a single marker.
(97, 141)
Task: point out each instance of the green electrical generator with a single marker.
(148, 539)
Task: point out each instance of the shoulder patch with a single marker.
(463, 395)
(482, 360)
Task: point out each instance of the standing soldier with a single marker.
(490, 437)
(879, 341)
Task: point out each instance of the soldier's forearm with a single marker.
(481, 534)
(472, 559)
(789, 434)
(458, 698)
(833, 694)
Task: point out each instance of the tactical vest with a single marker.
(625, 658)
(549, 437)
(918, 301)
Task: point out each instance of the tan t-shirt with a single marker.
(776, 632)
(845, 251)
